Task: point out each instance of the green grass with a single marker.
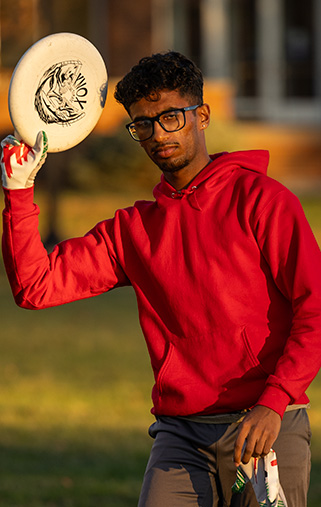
(75, 394)
(74, 403)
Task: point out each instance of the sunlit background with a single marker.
(75, 381)
(262, 65)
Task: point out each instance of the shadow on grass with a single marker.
(74, 475)
(314, 497)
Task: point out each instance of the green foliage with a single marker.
(115, 162)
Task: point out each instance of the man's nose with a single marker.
(159, 132)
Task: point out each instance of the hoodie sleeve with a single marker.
(76, 269)
(293, 255)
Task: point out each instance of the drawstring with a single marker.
(179, 194)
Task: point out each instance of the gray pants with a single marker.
(191, 464)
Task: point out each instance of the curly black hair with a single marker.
(170, 71)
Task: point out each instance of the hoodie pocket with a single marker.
(191, 358)
(203, 373)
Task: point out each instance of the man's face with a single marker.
(173, 151)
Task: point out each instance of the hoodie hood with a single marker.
(214, 174)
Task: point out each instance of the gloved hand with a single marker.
(264, 477)
(20, 163)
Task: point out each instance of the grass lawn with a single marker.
(74, 403)
(75, 391)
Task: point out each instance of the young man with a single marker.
(227, 276)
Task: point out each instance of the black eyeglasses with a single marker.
(170, 121)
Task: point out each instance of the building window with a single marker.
(299, 48)
(244, 35)
(187, 28)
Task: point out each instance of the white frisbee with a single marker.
(60, 86)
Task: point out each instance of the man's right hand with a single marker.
(20, 163)
(256, 434)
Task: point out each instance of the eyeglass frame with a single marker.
(152, 119)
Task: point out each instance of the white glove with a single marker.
(264, 477)
(20, 163)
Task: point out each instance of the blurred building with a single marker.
(268, 50)
(261, 60)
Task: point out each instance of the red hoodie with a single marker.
(227, 275)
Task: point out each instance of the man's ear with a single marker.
(204, 114)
